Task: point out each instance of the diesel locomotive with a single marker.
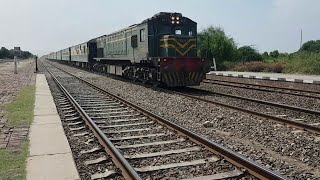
(161, 49)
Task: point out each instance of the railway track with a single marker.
(301, 118)
(91, 160)
(146, 146)
(266, 88)
(241, 104)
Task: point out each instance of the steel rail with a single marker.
(127, 170)
(239, 160)
(295, 124)
(269, 86)
(284, 106)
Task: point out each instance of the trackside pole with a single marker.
(36, 63)
(214, 64)
(15, 65)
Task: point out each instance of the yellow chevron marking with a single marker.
(168, 46)
(170, 78)
(174, 39)
(173, 46)
(165, 77)
(193, 76)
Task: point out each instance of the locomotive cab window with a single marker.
(134, 41)
(142, 35)
(178, 32)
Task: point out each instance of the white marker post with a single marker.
(15, 65)
(214, 64)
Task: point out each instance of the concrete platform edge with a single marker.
(50, 153)
(265, 78)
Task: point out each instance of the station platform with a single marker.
(50, 154)
(310, 79)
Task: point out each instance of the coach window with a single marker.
(142, 35)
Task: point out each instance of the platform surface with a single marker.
(272, 76)
(50, 153)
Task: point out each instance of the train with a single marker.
(159, 50)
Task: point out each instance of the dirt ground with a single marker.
(10, 85)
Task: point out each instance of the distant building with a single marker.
(17, 48)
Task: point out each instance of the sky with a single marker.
(43, 26)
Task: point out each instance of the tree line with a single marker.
(214, 43)
(9, 54)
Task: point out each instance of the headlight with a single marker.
(178, 22)
(172, 22)
(178, 18)
(172, 18)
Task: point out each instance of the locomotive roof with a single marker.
(158, 15)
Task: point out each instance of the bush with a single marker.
(276, 67)
(305, 63)
(253, 66)
(227, 65)
(258, 66)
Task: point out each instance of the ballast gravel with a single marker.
(289, 151)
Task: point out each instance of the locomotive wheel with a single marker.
(156, 83)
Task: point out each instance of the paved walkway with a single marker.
(315, 79)
(50, 153)
(10, 85)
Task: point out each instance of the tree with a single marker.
(265, 54)
(9, 54)
(248, 53)
(4, 53)
(274, 54)
(311, 46)
(213, 43)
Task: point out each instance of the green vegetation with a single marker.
(248, 53)
(303, 62)
(13, 164)
(299, 62)
(9, 54)
(311, 46)
(214, 43)
(20, 112)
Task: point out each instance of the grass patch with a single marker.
(20, 112)
(13, 164)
